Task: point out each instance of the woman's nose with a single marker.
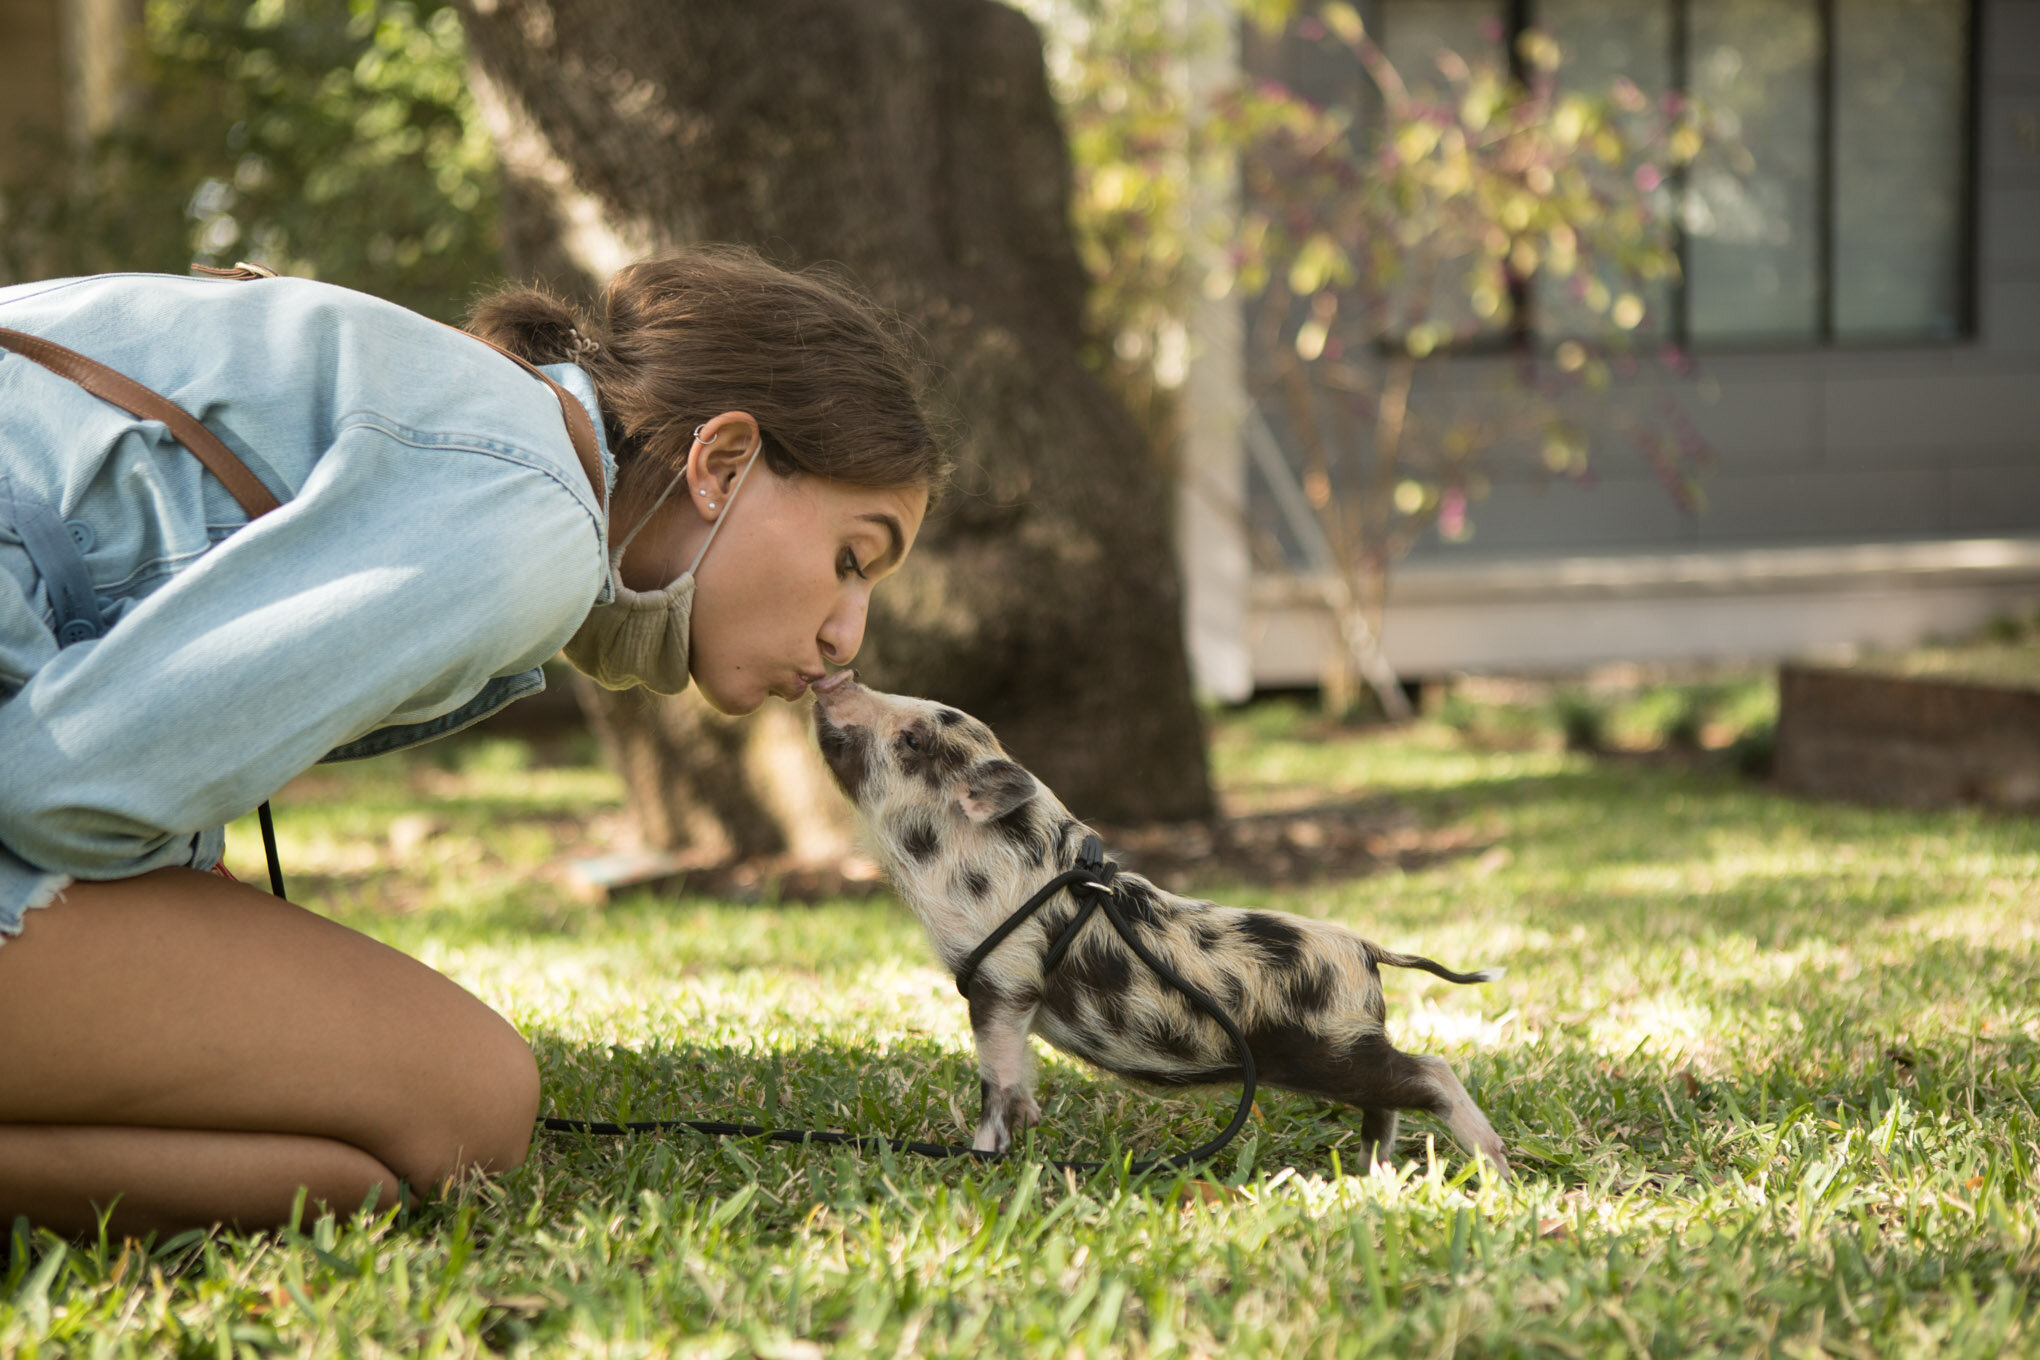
(843, 631)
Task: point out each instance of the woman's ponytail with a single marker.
(535, 326)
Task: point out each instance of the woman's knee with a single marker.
(481, 1119)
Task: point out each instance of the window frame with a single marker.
(1521, 15)
(1522, 334)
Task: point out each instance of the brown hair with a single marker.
(717, 328)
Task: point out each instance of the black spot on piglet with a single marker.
(1280, 943)
(919, 840)
(1312, 990)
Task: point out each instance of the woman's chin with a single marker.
(731, 698)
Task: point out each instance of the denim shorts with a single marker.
(24, 888)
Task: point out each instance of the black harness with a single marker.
(1089, 884)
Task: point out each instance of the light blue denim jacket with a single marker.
(438, 541)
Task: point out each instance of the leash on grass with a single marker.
(1090, 885)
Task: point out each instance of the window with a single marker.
(1849, 224)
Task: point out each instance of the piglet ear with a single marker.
(994, 789)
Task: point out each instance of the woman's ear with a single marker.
(722, 449)
(994, 789)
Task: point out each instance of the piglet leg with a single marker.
(1005, 1067)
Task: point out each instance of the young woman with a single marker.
(199, 1050)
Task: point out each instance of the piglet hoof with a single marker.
(1006, 1113)
(1490, 1150)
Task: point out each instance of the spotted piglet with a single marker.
(968, 836)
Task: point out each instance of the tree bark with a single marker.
(914, 142)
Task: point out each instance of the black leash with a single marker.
(1090, 885)
(269, 849)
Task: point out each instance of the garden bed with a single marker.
(1933, 728)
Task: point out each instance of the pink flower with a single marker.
(1452, 514)
(1648, 177)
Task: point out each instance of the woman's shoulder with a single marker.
(291, 363)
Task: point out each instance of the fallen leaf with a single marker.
(1974, 1183)
(1205, 1192)
(1692, 1084)
(1553, 1229)
(519, 1303)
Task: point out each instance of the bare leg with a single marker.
(198, 1048)
(57, 1174)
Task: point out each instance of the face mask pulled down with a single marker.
(641, 637)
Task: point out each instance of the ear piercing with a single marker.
(697, 439)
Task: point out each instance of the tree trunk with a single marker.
(916, 143)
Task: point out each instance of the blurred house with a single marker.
(1863, 312)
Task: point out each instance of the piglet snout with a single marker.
(835, 682)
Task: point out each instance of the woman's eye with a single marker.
(849, 566)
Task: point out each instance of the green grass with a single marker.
(1768, 1070)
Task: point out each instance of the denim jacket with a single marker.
(438, 541)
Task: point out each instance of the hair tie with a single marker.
(580, 346)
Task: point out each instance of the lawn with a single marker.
(1768, 1070)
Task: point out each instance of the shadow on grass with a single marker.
(917, 1090)
(1862, 1032)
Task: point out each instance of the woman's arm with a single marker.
(399, 581)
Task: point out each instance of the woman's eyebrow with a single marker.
(898, 549)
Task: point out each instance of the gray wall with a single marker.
(1816, 446)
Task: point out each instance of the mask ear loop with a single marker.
(616, 553)
(716, 527)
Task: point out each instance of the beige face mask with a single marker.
(641, 637)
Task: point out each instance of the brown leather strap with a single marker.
(137, 400)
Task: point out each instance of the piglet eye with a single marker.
(913, 742)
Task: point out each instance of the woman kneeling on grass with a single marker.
(196, 1049)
